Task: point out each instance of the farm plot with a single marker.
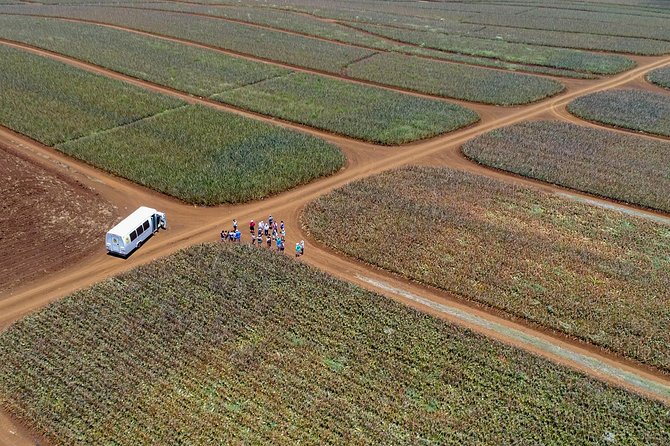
(52, 102)
(380, 116)
(347, 34)
(273, 45)
(454, 80)
(511, 52)
(363, 112)
(208, 157)
(330, 57)
(447, 23)
(660, 77)
(188, 350)
(623, 167)
(592, 273)
(631, 109)
(42, 212)
(194, 70)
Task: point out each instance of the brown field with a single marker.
(49, 219)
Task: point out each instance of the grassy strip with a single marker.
(523, 53)
(455, 80)
(227, 342)
(208, 157)
(194, 70)
(363, 112)
(660, 77)
(591, 273)
(624, 167)
(631, 109)
(52, 102)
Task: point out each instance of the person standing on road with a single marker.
(297, 249)
(268, 240)
(252, 228)
(260, 238)
(302, 247)
(270, 220)
(234, 225)
(238, 236)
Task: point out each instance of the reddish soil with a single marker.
(190, 225)
(48, 219)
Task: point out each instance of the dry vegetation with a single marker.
(623, 167)
(596, 274)
(228, 344)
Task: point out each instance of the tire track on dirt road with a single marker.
(190, 225)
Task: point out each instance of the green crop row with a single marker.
(523, 53)
(194, 153)
(52, 102)
(326, 56)
(448, 23)
(314, 26)
(631, 109)
(227, 344)
(207, 157)
(194, 70)
(591, 273)
(623, 167)
(368, 113)
(660, 77)
(455, 80)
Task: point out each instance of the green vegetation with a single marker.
(447, 22)
(347, 34)
(363, 112)
(368, 113)
(208, 157)
(469, 83)
(631, 109)
(660, 77)
(193, 153)
(592, 273)
(223, 342)
(52, 102)
(454, 80)
(273, 45)
(511, 52)
(624, 167)
(194, 70)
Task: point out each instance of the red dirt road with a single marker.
(190, 225)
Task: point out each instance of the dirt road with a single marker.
(190, 225)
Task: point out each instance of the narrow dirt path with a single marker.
(190, 225)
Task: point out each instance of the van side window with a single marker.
(146, 225)
(133, 236)
(139, 230)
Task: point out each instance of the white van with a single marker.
(133, 230)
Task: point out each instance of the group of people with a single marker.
(267, 232)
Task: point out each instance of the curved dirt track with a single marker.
(190, 225)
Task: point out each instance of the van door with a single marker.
(115, 243)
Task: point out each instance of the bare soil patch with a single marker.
(47, 221)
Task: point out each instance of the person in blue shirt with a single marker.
(238, 235)
(297, 249)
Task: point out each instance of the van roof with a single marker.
(131, 222)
